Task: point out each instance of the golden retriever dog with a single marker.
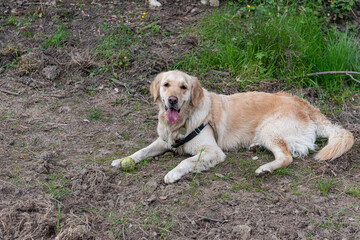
(282, 123)
(214, 3)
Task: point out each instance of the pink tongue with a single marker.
(172, 115)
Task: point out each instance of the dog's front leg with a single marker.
(208, 157)
(156, 148)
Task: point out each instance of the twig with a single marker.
(37, 3)
(9, 92)
(333, 72)
(59, 96)
(118, 82)
(353, 78)
(149, 26)
(247, 215)
(220, 73)
(126, 113)
(348, 73)
(212, 219)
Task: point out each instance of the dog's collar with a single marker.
(191, 135)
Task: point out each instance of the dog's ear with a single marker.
(155, 86)
(197, 93)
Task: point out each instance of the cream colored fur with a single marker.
(284, 124)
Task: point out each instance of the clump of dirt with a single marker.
(27, 218)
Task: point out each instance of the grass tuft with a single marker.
(58, 38)
(266, 43)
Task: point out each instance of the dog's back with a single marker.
(244, 118)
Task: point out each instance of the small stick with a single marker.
(118, 82)
(212, 219)
(333, 72)
(220, 73)
(353, 78)
(348, 73)
(8, 92)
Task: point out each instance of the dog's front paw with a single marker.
(173, 176)
(264, 169)
(116, 163)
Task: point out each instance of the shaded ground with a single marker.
(65, 118)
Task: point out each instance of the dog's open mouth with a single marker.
(172, 114)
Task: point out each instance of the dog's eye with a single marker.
(166, 85)
(183, 87)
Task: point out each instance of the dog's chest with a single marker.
(171, 134)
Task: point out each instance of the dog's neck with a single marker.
(195, 116)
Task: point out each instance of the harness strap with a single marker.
(193, 134)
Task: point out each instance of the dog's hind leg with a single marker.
(208, 157)
(282, 156)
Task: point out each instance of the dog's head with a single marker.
(177, 91)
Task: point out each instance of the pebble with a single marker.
(51, 72)
(242, 231)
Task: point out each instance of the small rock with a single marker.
(255, 158)
(44, 156)
(151, 186)
(51, 72)
(151, 199)
(281, 232)
(242, 232)
(2, 70)
(280, 183)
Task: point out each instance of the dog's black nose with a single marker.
(173, 100)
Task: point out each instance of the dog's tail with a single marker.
(340, 140)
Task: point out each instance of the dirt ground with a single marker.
(62, 122)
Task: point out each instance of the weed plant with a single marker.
(114, 47)
(57, 38)
(271, 42)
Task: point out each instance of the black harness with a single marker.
(193, 134)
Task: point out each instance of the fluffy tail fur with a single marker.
(340, 140)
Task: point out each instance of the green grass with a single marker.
(11, 21)
(96, 114)
(58, 38)
(56, 186)
(325, 186)
(153, 219)
(266, 44)
(354, 191)
(119, 223)
(113, 48)
(337, 220)
(283, 171)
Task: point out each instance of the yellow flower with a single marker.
(144, 13)
(111, 7)
(248, 6)
(142, 16)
